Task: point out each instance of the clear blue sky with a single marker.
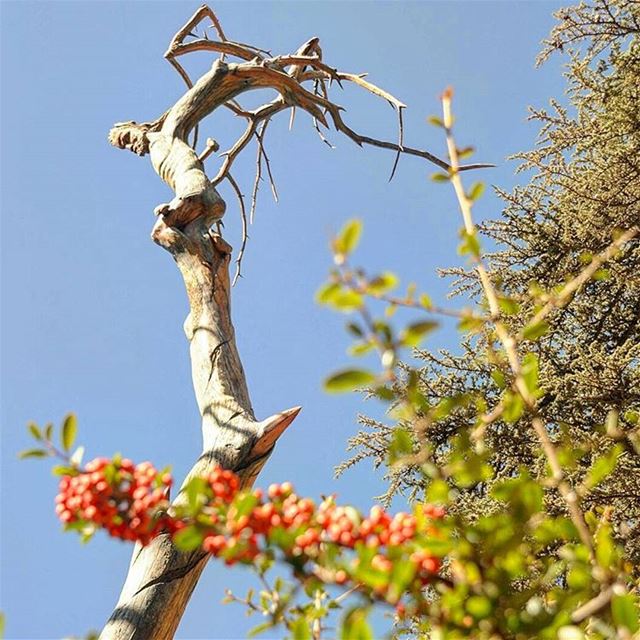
(92, 310)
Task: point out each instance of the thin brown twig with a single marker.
(267, 162)
(256, 182)
(243, 217)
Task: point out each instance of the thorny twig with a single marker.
(245, 235)
(286, 74)
(510, 342)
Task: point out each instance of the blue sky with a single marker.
(92, 310)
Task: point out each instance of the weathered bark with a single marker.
(161, 578)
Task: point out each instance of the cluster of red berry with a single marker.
(131, 503)
(128, 501)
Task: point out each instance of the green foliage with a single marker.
(533, 443)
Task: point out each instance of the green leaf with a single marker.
(602, 466)
(69, 431)
(188, 539)
(401, 444)
(470, 244)
(326, 292)
(513, 406)
(360, 348)
(355, 626)
(624, 610)
(465, 152)
(530, 373)
(244, 503)
(259, 629)
(349, 237)
(381, 284)
(196, 490)
(63, 470)
(354, 329)
(416, 332)
(300, 629)
(402, 574)
(426, 302)
(346, 301)
(440, 177)
(35, 430)
(477, 189)
(508, 306)
(384, 393)
(348, 380)
(499, 378)
(33, 453)
(435, 121)
(602, 274)
(48, 432)
(605, 546)
(535, 330)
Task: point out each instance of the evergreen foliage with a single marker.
(584, 188)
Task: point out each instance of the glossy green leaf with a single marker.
(476, 191)
(34, 430)
(349, 237)
(414, 333)
(602, 466)
(346, 301)
(426, 302)
(327, 291)
(513, 406)
(360, 348)
(33, 453)
(383, 283)
(69, 432)
(348, 380)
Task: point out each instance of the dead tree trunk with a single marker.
(161, 578)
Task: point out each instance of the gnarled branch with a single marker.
(161, 578)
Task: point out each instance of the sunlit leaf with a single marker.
(348, 380)
(382, 283)
(414, 333)
(348, 238)
(35, 430)
(33, 453)
(69, 432)
(477, 189)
